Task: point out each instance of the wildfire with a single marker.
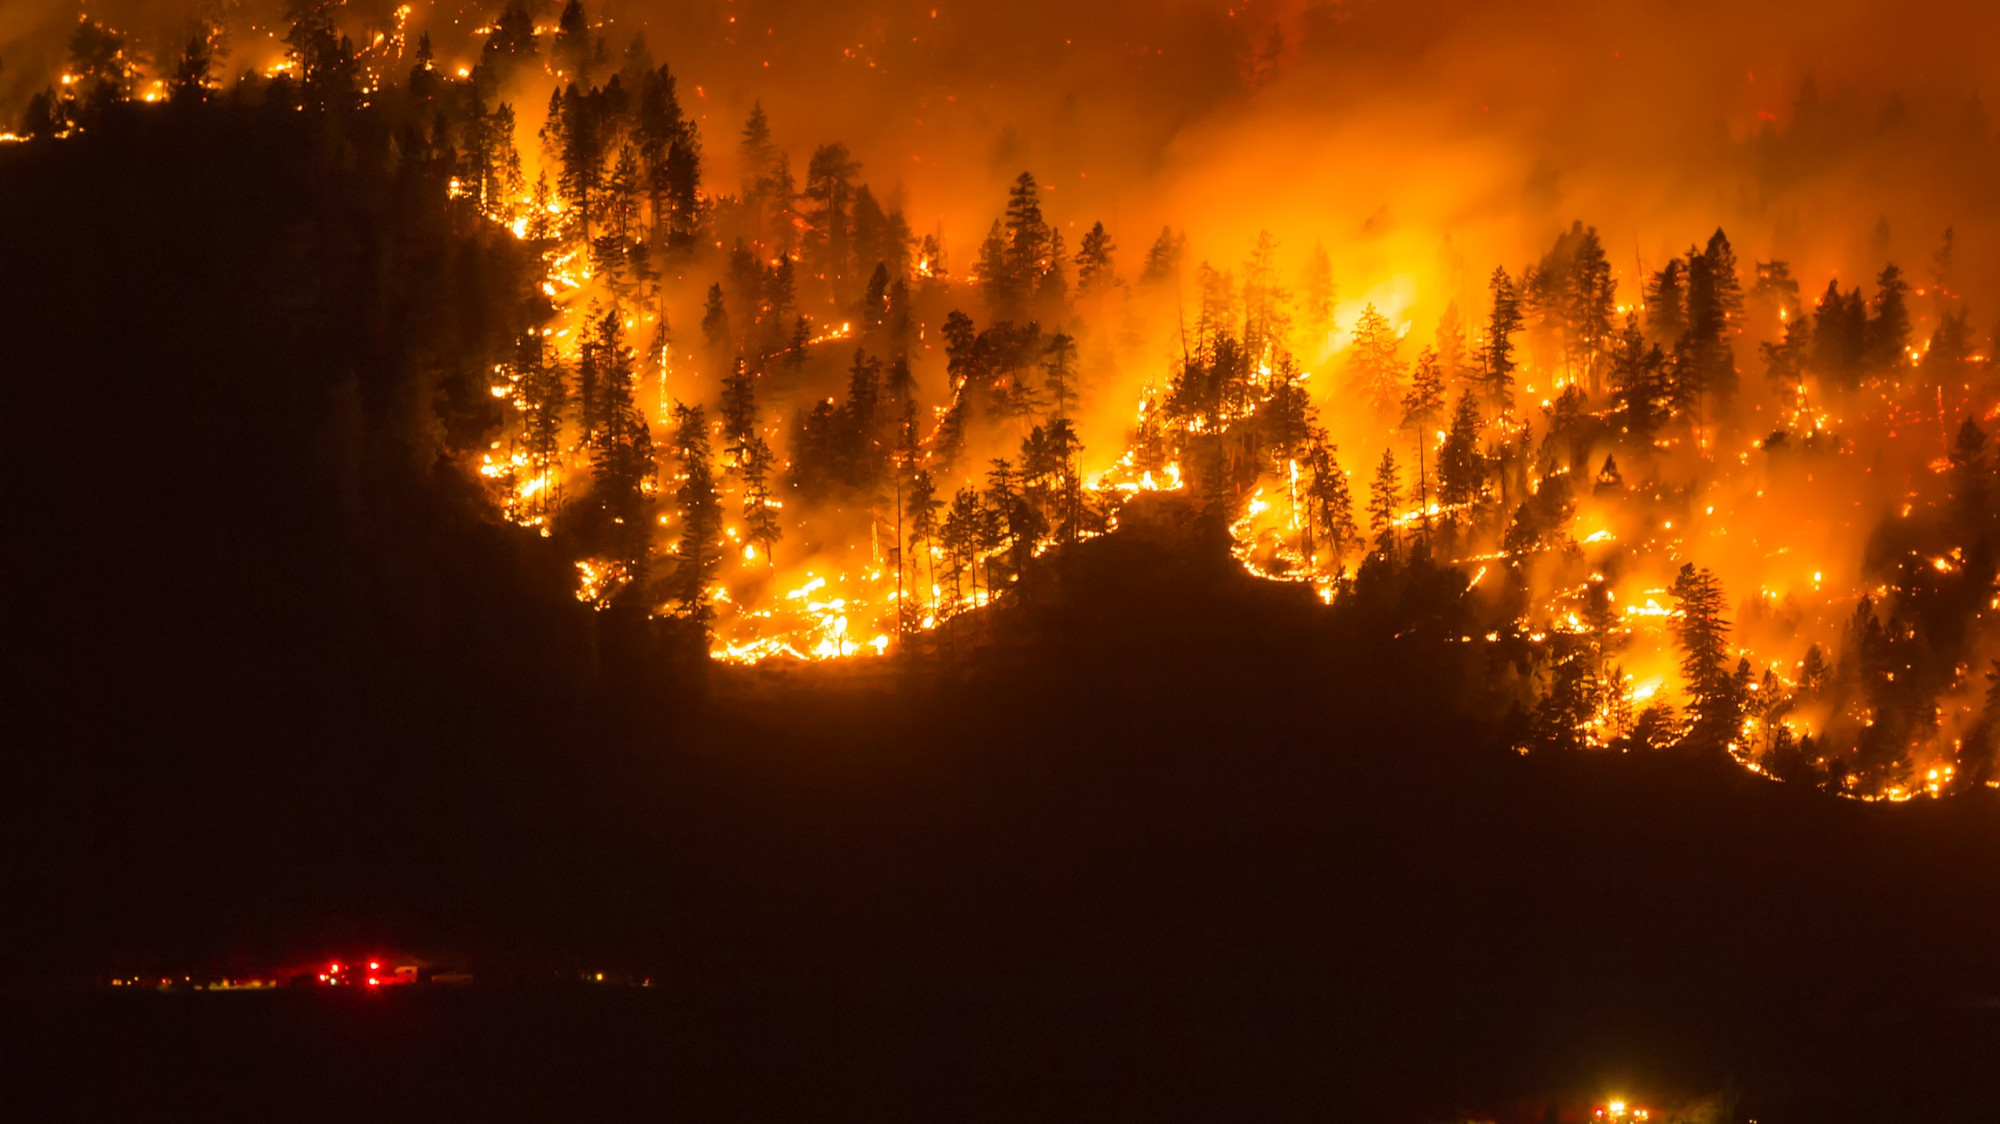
(1567, 440)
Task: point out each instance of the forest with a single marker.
(450, 450)
(764, 418)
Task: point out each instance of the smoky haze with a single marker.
(1380, 128)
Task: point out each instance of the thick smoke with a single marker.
(1379, 128)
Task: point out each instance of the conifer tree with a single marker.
(577, 51)
(325, 58)
(1724, 276)
(930, 263)
(1840, 335)
(1666, 302)
(1052, 288)
(830, 191)
(739, 413)
(868, 240)
(715, 326)
(1424, 402)
(1562, 716)
(1333, 502)
(592, 363)
(755, 154)
(780, 299)
(923, 505)
(1094, 260)
(1705, 366)
(1285, 417)
(682, 188)
(1639, 384)
(1048, 475)
(996, 279)
(544, 397)
(899, 323)
(620, 232)
(1970, 481)
(948, 440)
(1785, 359)
(864, 454)
(1216, 318)
(669, 147)
(786, 222)
(699, 554)
(760, 511)
(194, 77)
(900, 385)
(1028, 236)
(1950, 348)
(576, 135)
(101, 69)
(1776, 291)
(1422, 407)
(1889, 324)
(1594, 297)
(1058, 367)
(543, 226)
(505, 182)
(1372, 359)
(873, 310)
(509, 48)
(1385, 502)
(423, 81)
(962, 533)
(1284, 431)
(1703, 634)
(1461, 465)
(801, 340)
(961, 349)
(1163, 258)
(1003, 524)
(1265, 321)
(622, 451)
(1501, 326)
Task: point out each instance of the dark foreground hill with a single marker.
(1190, 846)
